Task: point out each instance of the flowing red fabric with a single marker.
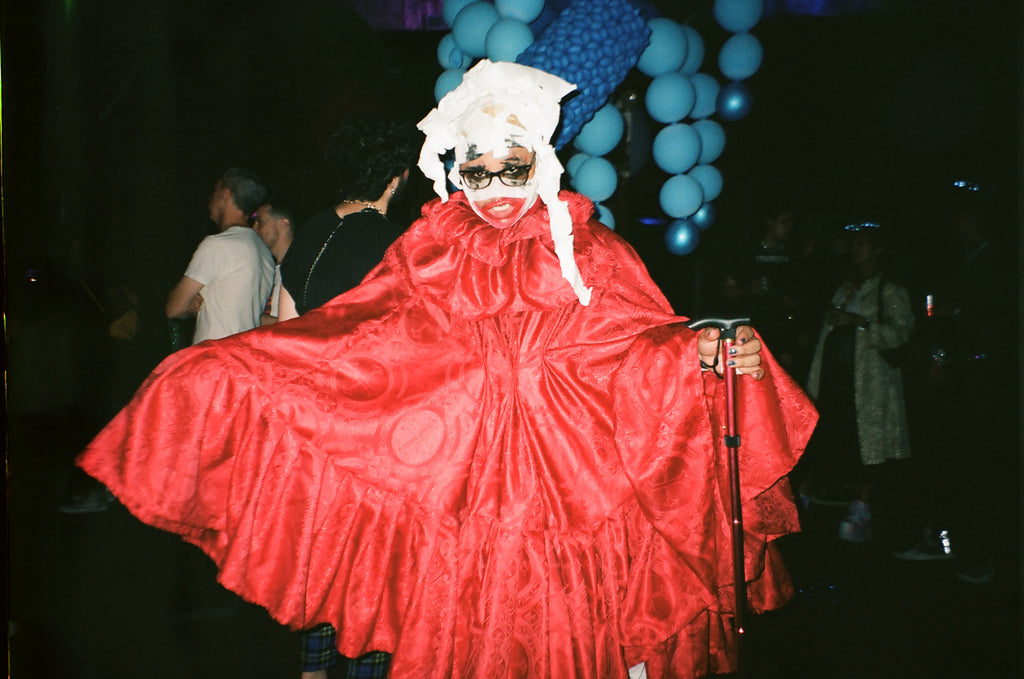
(459, 463)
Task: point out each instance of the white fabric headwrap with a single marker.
(499, 104)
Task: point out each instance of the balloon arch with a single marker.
(595, 44)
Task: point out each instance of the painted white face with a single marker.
(497, 203)
(501, 106)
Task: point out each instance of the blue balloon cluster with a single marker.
(740, 56)
(594, 44)
(680, 91)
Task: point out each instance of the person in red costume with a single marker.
(497, 457)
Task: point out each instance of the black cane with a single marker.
(732, 443)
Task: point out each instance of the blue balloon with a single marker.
(670, 97)
(738, 16)
(596, 179)
(522, 10)
(447, 81)
(471, 26)
(573, 164)
(449, 55)
(694, 51)
(706, 88)
(712, 140)
(681, 237)
(666, 50)
(605, 216)
(601, 133)
(507, 39)
(740, 56)
(680, 196)
(676, 148)
(734, 102)
(451, 8)
(704, 217)
(710, 180)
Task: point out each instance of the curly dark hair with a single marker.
(367, 151)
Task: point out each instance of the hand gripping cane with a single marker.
(732, 442)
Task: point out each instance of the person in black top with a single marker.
(333, 251)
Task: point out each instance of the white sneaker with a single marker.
(934, 546)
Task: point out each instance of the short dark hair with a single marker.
(367, 151)
(247, 190)
(283, 203)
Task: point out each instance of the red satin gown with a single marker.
(459, 463)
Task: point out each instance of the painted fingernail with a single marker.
(732, 351)
(731, 363)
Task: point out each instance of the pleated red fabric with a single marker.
(458, 463)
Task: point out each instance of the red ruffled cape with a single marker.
(458, 463)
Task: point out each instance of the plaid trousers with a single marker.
(319, 652)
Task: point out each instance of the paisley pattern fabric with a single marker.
(458, 463)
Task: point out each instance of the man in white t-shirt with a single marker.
(228, 281)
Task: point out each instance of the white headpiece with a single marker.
(499, 102)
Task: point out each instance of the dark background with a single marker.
(118, 116)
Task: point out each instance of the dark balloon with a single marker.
(704, 217)
(681, 237)
(734, 101)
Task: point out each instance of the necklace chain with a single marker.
(368, 205)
